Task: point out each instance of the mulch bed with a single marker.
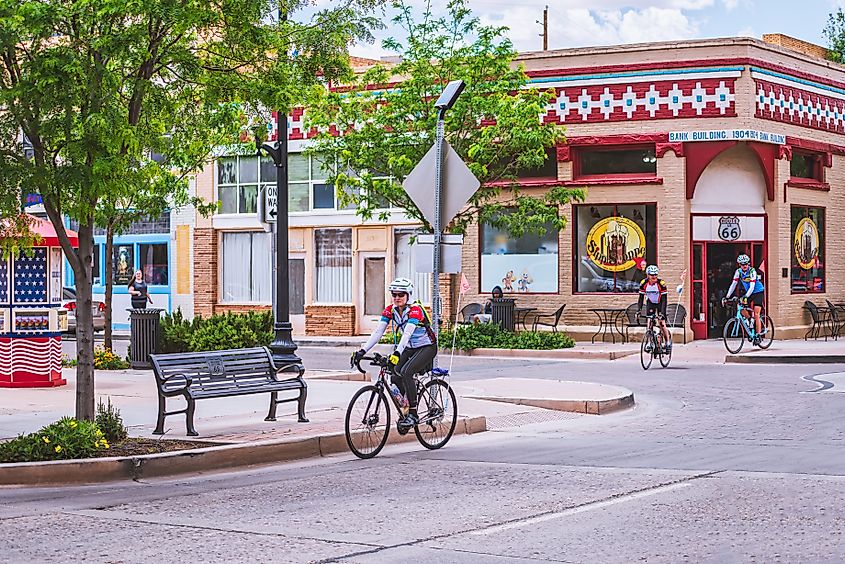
(133, 446)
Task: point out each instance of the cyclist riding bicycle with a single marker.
(654, 292)
(416, 348)
(747, 276)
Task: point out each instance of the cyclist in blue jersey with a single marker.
(416, 348)
(752, 288)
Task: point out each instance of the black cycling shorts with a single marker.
(756, 299)
(660, 308)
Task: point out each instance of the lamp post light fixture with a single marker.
(283, 348)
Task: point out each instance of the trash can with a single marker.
(503, 312)
(144, 336)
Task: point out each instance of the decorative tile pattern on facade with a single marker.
(643, 101)
(800, 102)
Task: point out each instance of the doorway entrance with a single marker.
(372, 284)
(713, 267)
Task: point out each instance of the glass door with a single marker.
(373, 297)
(698, 317)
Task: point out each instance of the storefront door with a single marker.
(713, 267)
(372, 299)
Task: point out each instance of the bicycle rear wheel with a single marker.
(647, 349)
(768, 334)
(438, 413)
(733, 335)
(367, 422)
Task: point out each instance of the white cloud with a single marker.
(730, 4)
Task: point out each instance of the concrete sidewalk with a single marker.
(237, 423)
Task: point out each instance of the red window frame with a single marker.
(579, 152)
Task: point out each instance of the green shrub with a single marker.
(176, 332)
(65, 439)
(390, 338)
(233, 331)
(110, 422)
(491, 336)
(68, 362)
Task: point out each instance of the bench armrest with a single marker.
(176, 392)
(286, 371)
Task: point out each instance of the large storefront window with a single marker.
(613, 243)
(640, 161)
(808, 253)
(526, 264)
(334, 265)
(153, 262)
(247, 267)
(404, 264)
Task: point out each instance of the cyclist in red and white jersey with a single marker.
(655, 294)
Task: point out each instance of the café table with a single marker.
(521, 316)
(608, 317)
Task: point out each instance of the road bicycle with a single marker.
(652, 345)
(368, 415)
(740, 328)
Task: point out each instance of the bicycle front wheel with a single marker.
(665, 357)
(647, 349)
(733, 335)
(768, 333)
(438, 413)
(367, 422)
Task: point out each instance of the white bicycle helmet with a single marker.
(743, 259)
(652, 269)
(402, 285)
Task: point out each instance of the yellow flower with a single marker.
(46, 440)
(58, 448)
(73, 423)
(106, 445)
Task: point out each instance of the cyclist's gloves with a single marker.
(743, 300)
(393, 359)
(356, 357)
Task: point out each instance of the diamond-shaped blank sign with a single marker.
(459, 184)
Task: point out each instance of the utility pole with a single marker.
(545, 34)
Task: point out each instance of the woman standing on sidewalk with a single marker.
(139, 291)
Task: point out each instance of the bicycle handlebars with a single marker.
(375, 360)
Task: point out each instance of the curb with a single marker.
(224, 457)
(589, 407)
(554, 354)
(784, 359)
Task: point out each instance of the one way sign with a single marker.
(270, 204)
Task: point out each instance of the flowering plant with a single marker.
(65, 439)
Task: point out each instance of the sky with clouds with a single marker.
(612, 22)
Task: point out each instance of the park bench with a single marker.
(216, 374)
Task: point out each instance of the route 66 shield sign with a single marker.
(729, 228)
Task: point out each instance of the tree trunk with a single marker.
(109, 284)
(84, 323)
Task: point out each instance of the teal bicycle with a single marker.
(740, 328)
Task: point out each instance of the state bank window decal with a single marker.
(613, 244)
(808, 250)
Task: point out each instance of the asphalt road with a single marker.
(717, 463)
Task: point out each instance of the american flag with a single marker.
(4, 279)
(31, 277)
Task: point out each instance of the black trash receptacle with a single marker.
(144, 337)
(503, 312)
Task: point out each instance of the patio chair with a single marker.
(676, 316)
(837, 320)
(468, 311)
(820, 320)
(631, 318)
(553, 319)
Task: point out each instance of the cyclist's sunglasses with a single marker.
(399, 294)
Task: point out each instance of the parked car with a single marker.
(98, 308)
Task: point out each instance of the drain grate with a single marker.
(499, 422)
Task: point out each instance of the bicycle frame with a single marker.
(382, 382)
(746, 322)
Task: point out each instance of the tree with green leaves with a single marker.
(387, 121)
(97, 86)
(835, 33)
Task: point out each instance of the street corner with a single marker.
(558, 395)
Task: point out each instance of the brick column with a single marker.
(334, 320)
(449, 297)
(205, 271)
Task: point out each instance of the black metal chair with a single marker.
(820, 320)
(837, 320)
(468, 311)
(676, 316)
(553, 317)
(631, 318)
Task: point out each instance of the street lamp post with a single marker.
(282, 348)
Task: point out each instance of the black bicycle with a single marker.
(368, 415)
(653, 345)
